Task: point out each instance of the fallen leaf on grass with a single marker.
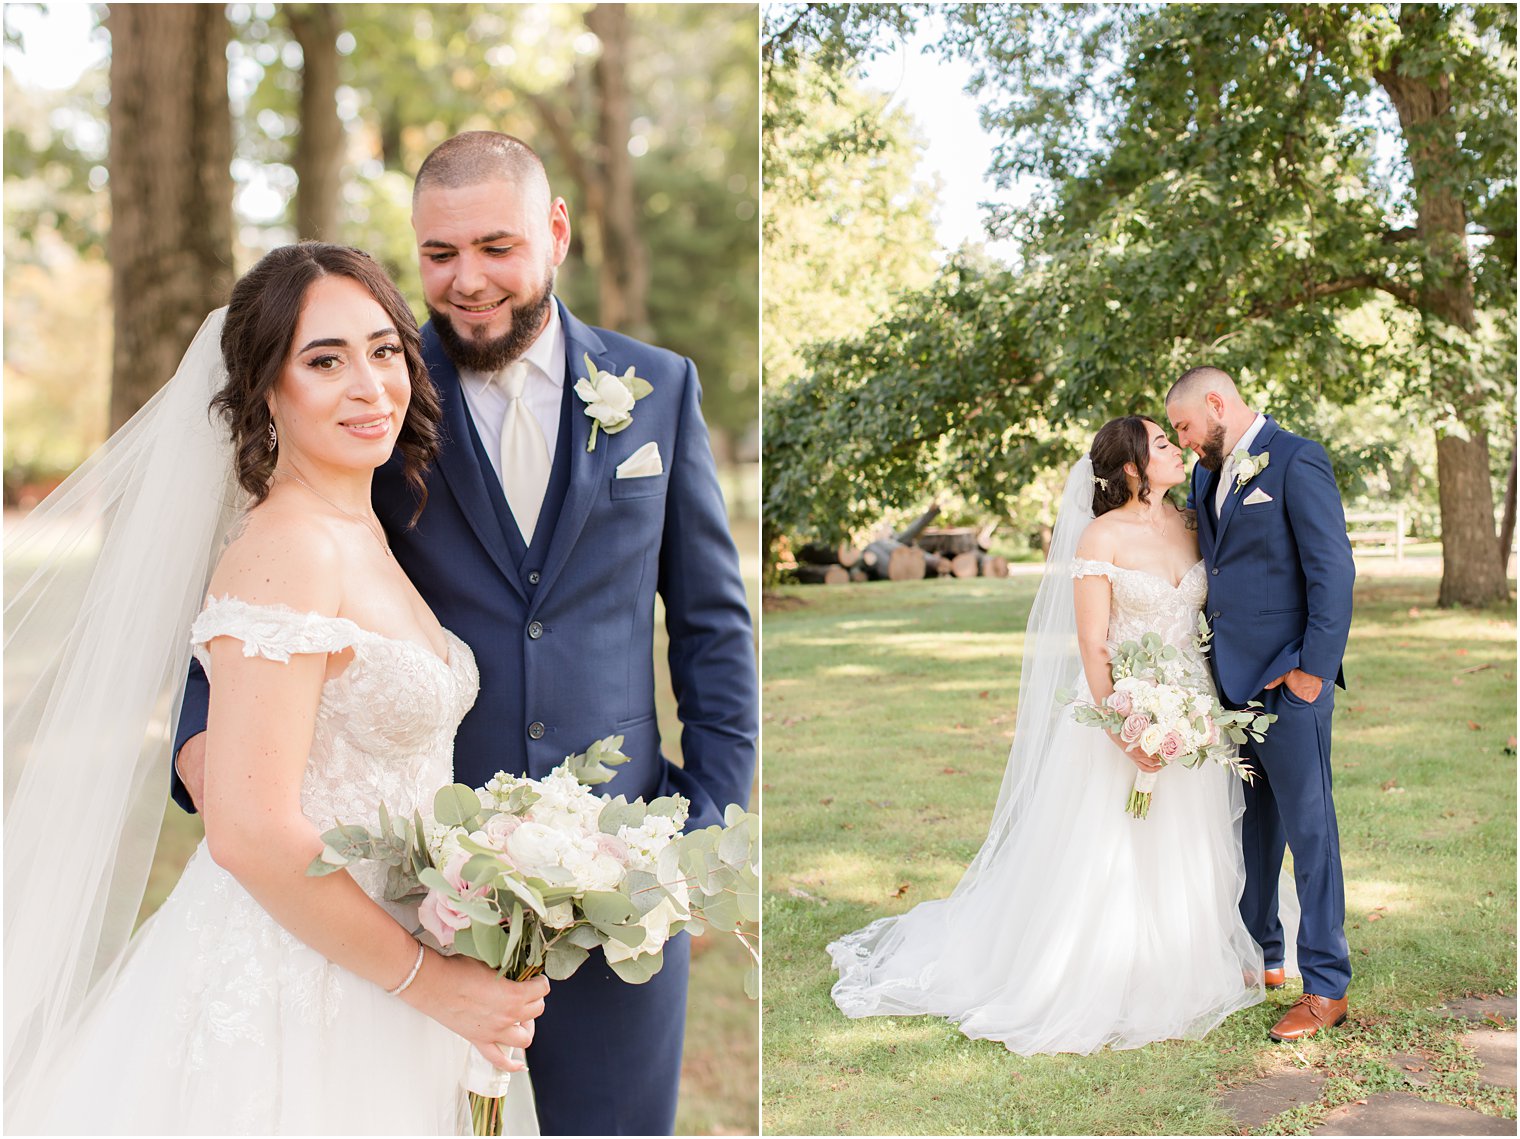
(826, 800)
(951, 771)
(902, 890)
(1474, 726)
(1374, 917)
(1461, 652)
(846, 826)
(1391, 785)
(983, 694)
(799, 892)
(1414, 1067)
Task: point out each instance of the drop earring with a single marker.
(274, 438)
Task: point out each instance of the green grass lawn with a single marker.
(721, 1071)
(888, 713)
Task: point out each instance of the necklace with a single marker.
(369, 524)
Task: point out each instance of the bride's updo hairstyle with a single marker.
(256, 339)
(1119, 441)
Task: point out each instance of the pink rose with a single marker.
(499, 828)
(437, 912)
(1213, 732)
(613, 847)
(1134, 724)
(1118, 701)
(1171, 746)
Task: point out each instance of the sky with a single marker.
(933, 91)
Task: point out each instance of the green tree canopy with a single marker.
(1217, 195)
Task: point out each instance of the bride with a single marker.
(257, 999)
(1077, 926)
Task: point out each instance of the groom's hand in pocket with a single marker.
(1305, 685)
(467, 997)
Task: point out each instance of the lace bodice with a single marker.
(1145, 603)
(385, 725)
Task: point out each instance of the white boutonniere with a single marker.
(1248, 466)
(609, 398)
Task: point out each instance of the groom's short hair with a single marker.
(473, 157)
(1196, 381)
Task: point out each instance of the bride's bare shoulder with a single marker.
(1101, 540)
(276, 555)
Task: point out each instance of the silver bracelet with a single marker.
(410, 977)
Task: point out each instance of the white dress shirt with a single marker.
(542, 393)
(1227, 472)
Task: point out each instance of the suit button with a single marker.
(1214, 616)
(533, 577)
(1215, 571)
(535, 630)
(535, 730)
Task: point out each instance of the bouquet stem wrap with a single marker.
(1139, 804)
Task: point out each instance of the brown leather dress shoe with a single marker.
(1309, 1014)
(1274, 978)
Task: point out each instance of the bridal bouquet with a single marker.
(530, 875)
(1160, 704)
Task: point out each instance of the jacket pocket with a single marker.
(647, 487)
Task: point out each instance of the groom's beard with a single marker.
(1211, 454)
(493, 355)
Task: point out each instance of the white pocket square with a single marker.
(1257, 495)
(642, 464)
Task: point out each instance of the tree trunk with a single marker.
(623, 275)
(318, 159)
(1507, 525)
(822, 575)
(890, 560)
(820, 555)
(171, 189)
(964, 564)
(1420, 90)
(917, 527)
(1472, 573)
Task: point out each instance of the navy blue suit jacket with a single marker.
(563, 633)
(1280, 570)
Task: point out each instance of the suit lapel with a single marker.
(587, 468)
(1203, 505)
(1233, 495)
(458, 464)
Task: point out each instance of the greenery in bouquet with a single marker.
(530, 875)
(1162, 704)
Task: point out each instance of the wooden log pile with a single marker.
(913, 553)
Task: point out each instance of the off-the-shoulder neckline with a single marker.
(1147, 573)
(280, 607)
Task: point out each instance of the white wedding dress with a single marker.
(222, 1022)
(1083, 927)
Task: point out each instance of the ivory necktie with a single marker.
(1226, 476)
(524, 453)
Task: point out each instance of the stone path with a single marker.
(1256, 1104)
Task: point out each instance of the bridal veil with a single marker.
(102, 581)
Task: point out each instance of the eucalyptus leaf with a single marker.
(637, 970)
(455, 805)
(607, 907)
(563, 959)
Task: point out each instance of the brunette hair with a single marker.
(256, 340)
(1119, 441)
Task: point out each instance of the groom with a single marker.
(1273, 535)
(545, 553)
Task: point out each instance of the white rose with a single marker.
(1150, 739)
(561, 915)
(1203, 704)
(533, 846)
